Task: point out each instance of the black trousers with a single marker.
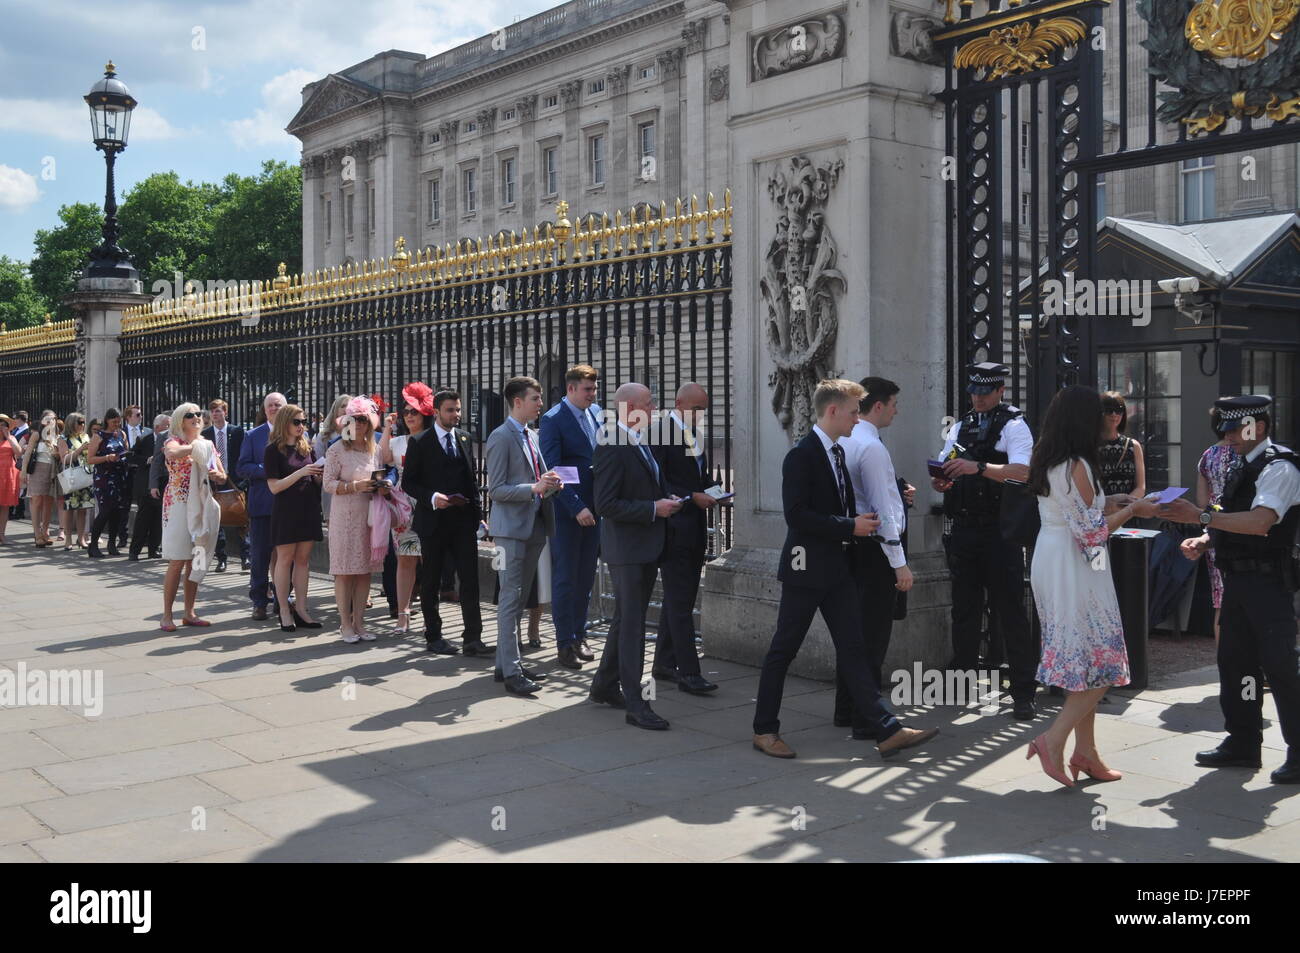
(457, 545)
(680, 571)
(147, 533)
(982, 562)
(113, 514)
(1257, 636)
(624, 656)
(841, 610)
(876, 584)
(221, 541)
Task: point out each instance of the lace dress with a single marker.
(1083, 637)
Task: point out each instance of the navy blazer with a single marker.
(565, 445)
(250, 468)
(816, 526)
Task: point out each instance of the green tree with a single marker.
(167, 227)
(62, 252)
(259, 224)
(20, 304)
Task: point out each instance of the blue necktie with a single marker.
(451, 451)
(587, 427)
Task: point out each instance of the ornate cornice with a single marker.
(695, 33)
(669, 63)
(332, 97)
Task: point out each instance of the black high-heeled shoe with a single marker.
(303, 622)
(288, 628)
(93, 552)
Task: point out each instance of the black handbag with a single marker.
(1018, 515)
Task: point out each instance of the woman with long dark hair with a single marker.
(107, 451)
(1083, 637)
(399, 430)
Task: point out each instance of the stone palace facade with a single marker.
(606, 104)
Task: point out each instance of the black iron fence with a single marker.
(37, 369)
(646, 299)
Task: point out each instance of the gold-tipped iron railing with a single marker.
(49, 334)
(559, 245)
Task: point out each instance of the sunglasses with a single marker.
(299, 423)
(411, 411)
(191, 416)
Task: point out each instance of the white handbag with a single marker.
(72, 479)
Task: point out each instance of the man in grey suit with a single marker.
(634, 508)
(519, 484)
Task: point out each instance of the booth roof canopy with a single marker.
(1219, 252)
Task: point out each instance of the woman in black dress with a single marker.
(293, 477)
(107, 452)
(1122, 467)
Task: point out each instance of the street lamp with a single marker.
(110, 105)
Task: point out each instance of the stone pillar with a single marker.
(575, 149)
(855, 130)
(669, 65)
(529, 159)
(311, 226)
(97, 307)
(694, 98)
(488, 204)
(623, 171)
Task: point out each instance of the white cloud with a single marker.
(17, 189)
(281, 98)
(70, 121)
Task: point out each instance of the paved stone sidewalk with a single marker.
(241, 742)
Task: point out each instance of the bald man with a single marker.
(685, 465)
(634, 508)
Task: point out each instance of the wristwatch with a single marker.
(1206, 515)
(980, 469)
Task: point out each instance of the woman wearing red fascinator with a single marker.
(416, 416)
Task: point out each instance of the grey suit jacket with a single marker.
(510, 485)
(626, 490)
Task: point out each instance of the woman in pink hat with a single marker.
(349, 464)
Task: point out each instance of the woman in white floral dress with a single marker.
(1083, 638)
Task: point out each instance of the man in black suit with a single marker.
(148, 498)
(818, 572)
(228, 439)
(685, 466)
(133, 429)
(440, 477)
(633, 507)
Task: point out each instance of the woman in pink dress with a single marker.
(347, 478)
(1083, 637)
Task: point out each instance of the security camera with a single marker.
(1180, 285)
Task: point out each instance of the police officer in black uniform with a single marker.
(989, 445)
(1253, 533)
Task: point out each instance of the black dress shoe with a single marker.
(568, 656)
(441, 646)
(667, 674)
(476, 647)
(133, 557)
(221, 566)
(243, 565)
(114, 551)
(1225, 757)
(93, 552)
(1023, 709)
(696, 684)
(646, 719)
(612, 697)
(534, 643)
(531, 674)
(584, 651)
(259, 613)
(1289, 773)
(155, 554)
(520, 685)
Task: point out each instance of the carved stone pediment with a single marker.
(719, 83)
(333, 95)
(797, 45)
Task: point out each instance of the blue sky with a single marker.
(216, 83)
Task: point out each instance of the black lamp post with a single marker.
(110, 105)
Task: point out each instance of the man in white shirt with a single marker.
(228, 441)
(1253, 532)
(881, 562)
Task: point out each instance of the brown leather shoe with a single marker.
(905, 738)
(773, 745)
(259, 613)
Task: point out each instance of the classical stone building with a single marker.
(606, 104)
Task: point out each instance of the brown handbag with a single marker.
(234, 507)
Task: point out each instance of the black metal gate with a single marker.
(1044, 98)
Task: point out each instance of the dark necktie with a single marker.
(842, 477)
(588, 428)
(649, 459)
(451, 450)
(221, 445)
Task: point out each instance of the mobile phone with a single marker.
(378, 476)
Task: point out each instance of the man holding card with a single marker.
(520, 485)
(440, 477)
(1253, 533)
(685, 464)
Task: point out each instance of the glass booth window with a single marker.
(1151, 382)
(1273, 373)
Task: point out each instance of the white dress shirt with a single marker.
(1278, 485)
(1016, 441)
(442, 439)
(875, 487)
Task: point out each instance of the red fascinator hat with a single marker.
(419, 396)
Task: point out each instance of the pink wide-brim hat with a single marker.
(358, 407)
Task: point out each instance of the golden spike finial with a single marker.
(401, 258)
(695, 218)
(618, 231)
(48, 321)
(281, 279)
(677, 223)
(709, 233)
(660, 224)
(726, 214)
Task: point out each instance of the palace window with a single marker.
(435, 200)
(551, 169)
(348, 214)
(471, 194)
(1198, 188)
(1272, 373)
(551, 101)
(596, 86)
(471, 126)
(507, 181)
(508, 114)
(647, 72)
(596, 151)
(435, 137)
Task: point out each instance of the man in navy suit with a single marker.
(819, 573)
(228, 440)
(259, 504)
(568, 433)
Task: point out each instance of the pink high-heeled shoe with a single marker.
(1092, 769)
(1039, 747)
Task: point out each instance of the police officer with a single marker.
(989, 445)
(1252, 533)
